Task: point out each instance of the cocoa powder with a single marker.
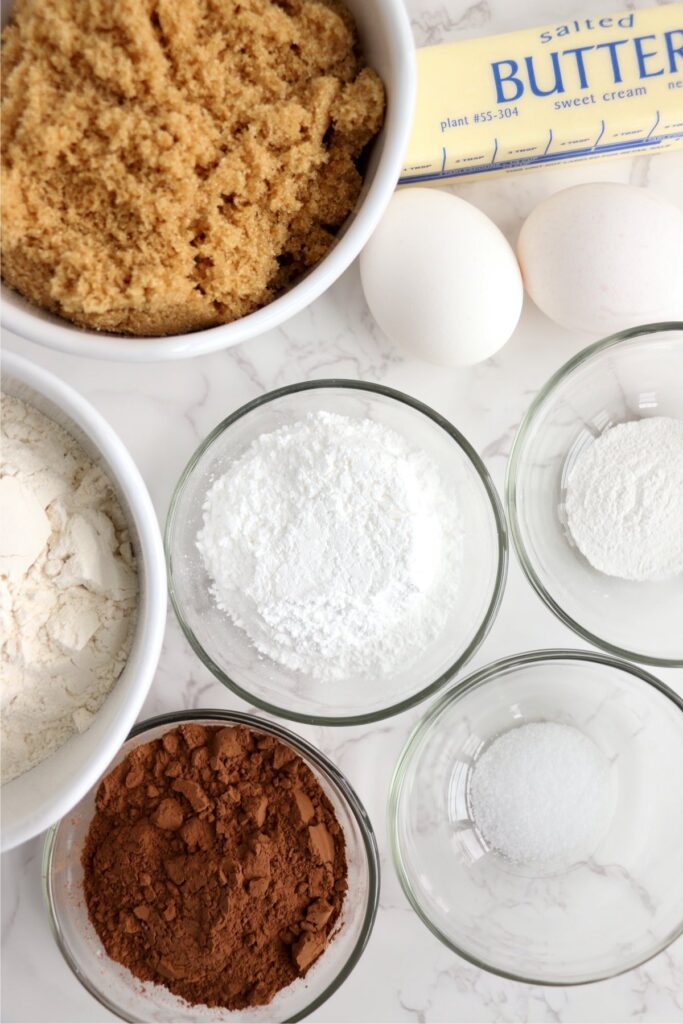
(214, 865)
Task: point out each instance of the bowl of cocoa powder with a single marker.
(223, 869)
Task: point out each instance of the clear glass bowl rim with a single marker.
(512, 479)
(326, 767)
(478, 678)
(501, 569)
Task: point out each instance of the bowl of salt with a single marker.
(535, 821)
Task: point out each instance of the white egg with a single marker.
(604, 256)
(440, 279)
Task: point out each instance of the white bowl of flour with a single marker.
(87, 630)
(336, 552)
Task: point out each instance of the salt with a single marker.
(542, 792)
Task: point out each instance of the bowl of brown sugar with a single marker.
(223, 869)
(178, 178)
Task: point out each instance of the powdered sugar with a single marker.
(625, 500)
(542, 792)
(335, 546)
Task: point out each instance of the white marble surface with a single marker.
(162, 412)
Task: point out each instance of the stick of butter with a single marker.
(592, 87)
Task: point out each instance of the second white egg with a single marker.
(440, 278)
(604, 256)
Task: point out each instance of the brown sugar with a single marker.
(206, 871)
(172, 166)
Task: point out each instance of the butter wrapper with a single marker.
(588, 88)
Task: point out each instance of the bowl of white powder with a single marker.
(336, 552)
(83, 587)
(595, 494)
(534, 824)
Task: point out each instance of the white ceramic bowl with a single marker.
(388, 47)
(35, 800)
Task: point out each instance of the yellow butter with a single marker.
(586, 88)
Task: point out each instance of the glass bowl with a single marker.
(132, 1000)
(227, 650)
(595, 918)
(628, 376)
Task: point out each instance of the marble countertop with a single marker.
(162, 412)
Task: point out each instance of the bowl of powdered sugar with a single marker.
(534, 824)
(595, 494)
(336, 552)
(83, 597)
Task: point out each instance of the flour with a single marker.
(68, 587)
(335, 546)
(625, 500)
